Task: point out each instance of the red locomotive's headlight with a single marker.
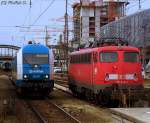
(131, 76)
(111, 76)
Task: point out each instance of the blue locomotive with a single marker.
(33, 69)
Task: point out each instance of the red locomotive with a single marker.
(103, 73)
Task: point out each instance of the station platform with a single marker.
(130, 115)
(62, 88)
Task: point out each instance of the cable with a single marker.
(43, 12)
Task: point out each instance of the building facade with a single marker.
(89, 16)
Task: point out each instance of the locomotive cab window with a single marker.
(108, 57)
(81, 59)
(35, 58)
(131, 57)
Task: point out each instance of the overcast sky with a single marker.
(15, 19)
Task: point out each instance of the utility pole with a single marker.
(30, 3)
(144, 45)
(46, 37)
(66, 23)
(66, 33)
(139, 4)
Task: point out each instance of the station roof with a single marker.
(7, 58)
(10, 47)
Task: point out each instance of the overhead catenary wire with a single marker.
(51, 3)
(33, 24)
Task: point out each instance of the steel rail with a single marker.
(37, 113)
(65, 112)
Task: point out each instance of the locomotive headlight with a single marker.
(46, 76)
(35, 65)
(25, 76)
(111, 77)
(131, 76)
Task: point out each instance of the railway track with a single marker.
(37, 114)
(44, 112)
(61, 79)
(121, 115)
(48, 112)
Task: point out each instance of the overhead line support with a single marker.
(66, 33)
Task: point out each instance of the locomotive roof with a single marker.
(106, 48)
(35, 48)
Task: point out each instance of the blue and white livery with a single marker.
(33, 69)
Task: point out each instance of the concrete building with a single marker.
(89, 16)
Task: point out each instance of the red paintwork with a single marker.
(86, 73)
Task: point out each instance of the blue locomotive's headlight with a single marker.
(35, 65)
(46, 76)
(25, 76)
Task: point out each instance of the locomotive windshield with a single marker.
(108, 57)
(35, 58)
(131, 57)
